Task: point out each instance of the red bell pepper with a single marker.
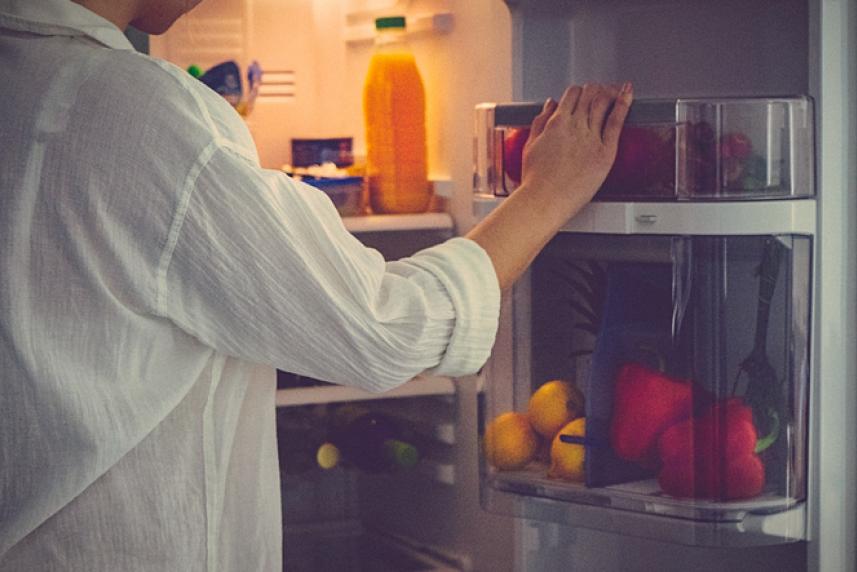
(646, 402)
(712, 456)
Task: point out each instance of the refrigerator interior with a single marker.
(315, 55)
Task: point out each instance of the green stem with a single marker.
(771, 437)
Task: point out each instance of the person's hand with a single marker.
(572, 144)
(571, 148)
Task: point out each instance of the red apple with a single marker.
(513, 152)
(639, 153)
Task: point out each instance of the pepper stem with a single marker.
(771, 437)
(662, 362)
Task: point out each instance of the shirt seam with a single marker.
(178, 221)
(219, 138)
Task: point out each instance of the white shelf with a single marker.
(418, 387)
(641, 509)
(431, 23)
(388, 223)
(793, 216)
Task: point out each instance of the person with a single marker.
(154, 275)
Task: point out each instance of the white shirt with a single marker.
(152, 275)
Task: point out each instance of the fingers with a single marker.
(601, 104)
(568, 102)
(542, 118)
(587, 94)
(602, 108)
(617, 116)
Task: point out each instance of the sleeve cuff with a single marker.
(467, 274)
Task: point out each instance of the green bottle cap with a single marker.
(327, 456)
(195, 71)
(400, 453)
(390, 22)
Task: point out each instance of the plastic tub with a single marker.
(346, 193)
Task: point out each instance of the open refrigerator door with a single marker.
(655, 400)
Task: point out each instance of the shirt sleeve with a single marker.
(259, 266)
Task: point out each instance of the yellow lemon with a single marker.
(510, 442)
(567, 458)
(553, 405)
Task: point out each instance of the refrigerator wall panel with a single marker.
(834, 454)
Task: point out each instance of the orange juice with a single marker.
(394, 113)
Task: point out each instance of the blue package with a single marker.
(254, 76)
(636, 327)
(225, 79)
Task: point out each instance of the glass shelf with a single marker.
(390, 223)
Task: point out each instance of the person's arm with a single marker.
(571, 148)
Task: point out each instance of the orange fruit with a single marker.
(510, 442)
(567, 458)
(553, 405)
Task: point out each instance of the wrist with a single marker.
(555, 204)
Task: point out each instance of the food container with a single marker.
(675, 149)
(307, 152)
(346, 193)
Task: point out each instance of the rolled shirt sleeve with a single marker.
(261, 267)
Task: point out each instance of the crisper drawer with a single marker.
(655, 386)
(678, 149)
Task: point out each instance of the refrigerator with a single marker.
(718, 260)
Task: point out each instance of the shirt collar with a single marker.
(60, 18)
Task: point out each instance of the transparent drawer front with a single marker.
(684, 149)
(662, 376)
(744, 148)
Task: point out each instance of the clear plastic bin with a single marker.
(687, 359)
(679, 149)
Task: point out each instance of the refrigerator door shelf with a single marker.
(749, 529)
(642, 496)
(751, 148)
(690, 356)
(742, 218)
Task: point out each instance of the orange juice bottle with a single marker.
(394, 112)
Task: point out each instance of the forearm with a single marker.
(515, 232)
